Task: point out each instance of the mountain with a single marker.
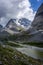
(10, 28)
(35, 32)
(3, 33)
(12, 25)
(13, 28)
(25, 22)
(1, 27)
(22, 21)
(38, 20)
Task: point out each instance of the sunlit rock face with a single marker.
(38, 20)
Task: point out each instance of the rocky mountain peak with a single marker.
(24, 21)
(40, 9)
(38, 20)
(11, 23)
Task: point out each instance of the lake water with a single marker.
(32, 51)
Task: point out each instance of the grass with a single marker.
(23, 38)
(40, 53)
(8, 56)
(12, 44)
(38, 44)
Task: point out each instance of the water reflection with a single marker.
(34, 52)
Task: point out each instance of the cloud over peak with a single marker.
(15, 8)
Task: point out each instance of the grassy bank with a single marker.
(13, 44)
(8, 56)
(38, 44)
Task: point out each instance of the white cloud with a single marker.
(24, 3)
(26, 10)
(15, 8)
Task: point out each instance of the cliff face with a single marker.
(38, 20)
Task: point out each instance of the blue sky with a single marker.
(36, 4)
(18, 9)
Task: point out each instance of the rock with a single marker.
(38, 20)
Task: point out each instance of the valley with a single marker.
(22, 55)
(21, 42)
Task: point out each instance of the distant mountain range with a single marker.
(34, 33)
(13, 28)
(25, 22)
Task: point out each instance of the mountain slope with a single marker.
(1, 27)
(14, 28)
(35, 32)
(38, 20)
